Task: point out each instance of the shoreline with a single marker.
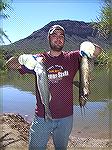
(15, 136)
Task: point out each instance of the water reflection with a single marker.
(17, 101)
(95, 123)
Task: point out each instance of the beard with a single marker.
(55, 47)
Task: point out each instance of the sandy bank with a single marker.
(14, 136)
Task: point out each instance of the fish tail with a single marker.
(48, 116)
(83, 114)
(82, 102)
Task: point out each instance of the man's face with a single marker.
(56, 40)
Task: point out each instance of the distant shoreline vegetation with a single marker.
(5, 55)
(104, 59)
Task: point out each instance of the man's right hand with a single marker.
(27, 60)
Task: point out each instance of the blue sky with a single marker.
(28, 16)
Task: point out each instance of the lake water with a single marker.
(95, 123)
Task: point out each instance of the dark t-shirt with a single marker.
(61, 71)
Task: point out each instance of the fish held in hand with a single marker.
(43, 87)
(87, 50)
(86, 66)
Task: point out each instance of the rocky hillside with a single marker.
(76, 32)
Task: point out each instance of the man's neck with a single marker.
(54, 53)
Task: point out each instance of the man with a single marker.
(61, 68)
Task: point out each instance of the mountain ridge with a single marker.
(75, 33)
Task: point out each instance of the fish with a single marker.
(85, 69)
(84, 82)
(86, 66)
(43, 87)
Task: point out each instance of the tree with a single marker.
(104, 26)
(104, 20)
(4, 4)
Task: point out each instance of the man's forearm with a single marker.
(13, 63)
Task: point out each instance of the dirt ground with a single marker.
(14, 136)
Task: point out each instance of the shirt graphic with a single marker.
(56, 73)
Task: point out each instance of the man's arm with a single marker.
(13, 63)
(28, 60)
(97, 51)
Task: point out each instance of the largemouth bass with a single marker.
(43, 87)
